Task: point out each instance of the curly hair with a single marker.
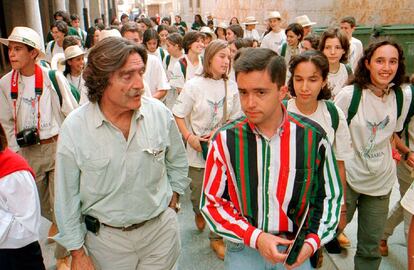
(190, 38)
(61, 26)
(105, 58)
(320, 61)
(362, 74)
(343, 40)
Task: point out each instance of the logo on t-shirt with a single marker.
(374, 127)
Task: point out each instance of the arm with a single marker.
(7, 117)
(342, 175)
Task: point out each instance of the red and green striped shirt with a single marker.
(254, 184)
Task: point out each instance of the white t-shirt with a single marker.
(356, 50)
(79, 83)
(408, 200)
(251, 34)
(177, 79)
(155, 75)
(373, 170)
(56, 49)
(173, 93)
(337, 80)
(202, 101)
(341, 139)
(273, 40)
(158, 53)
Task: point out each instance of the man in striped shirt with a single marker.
(263, 171)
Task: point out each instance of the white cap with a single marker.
(304, 21)
(72, 52)
(207, 30)
(273, 15)
(109, 33)
(250, 20)
(26, 36)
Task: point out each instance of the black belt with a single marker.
(128, 228)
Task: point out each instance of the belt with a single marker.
(49, 140)
(128, 228)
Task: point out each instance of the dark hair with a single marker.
(200, 20)
(124, 16)
(74, 17)
(97, 20)
(242, 43)
(176, 38)
(313, 40)
(350, 20)
(362, 74)
(297, 29)
(163, 27)
(166, 19)
(217, 28)
(130, 27)
(89, 42)
(100, 26)
(145, 21)
(70, 41)
(320, 61)
(343, 40)
(260, 59)
(3, 139)
(190, 38)
(150, 34)
(178, 16)
(115, 22)
(61, 27)
(109, 55)
(237, 30)
(154, 20)
(232, 19)
(63, 14)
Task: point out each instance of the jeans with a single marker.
(241, 257)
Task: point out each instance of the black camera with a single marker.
(28, 137)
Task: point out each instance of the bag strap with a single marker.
(167, 60)
(162, 53)
(353, 107)
(399, 98)
(52, 46)
(224, 119)
(285, 102)
(348, 69)
(52, 76)
(183, 65)
(333, 113)
(283, 52)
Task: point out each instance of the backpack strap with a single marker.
(410, 114)
(353, 107)
(333, 113)
(399, 98)
(167, 60)
(183, 65)
(52, 46)
(162, 53)
(52, 76)
(285, 102)
(348, 69)
(283, 52)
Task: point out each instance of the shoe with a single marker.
(200, 222)
(343, 241)
(63, 264)
(218, 247)
(383, 248)
(53, 230)
(316, 260)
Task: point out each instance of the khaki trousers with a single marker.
(154, 246)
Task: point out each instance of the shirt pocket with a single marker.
(93, 174)
(302, 187)
(154, 162)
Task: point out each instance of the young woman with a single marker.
(92, 37)
(175, 52)
(180, 24)
(335, 45)
(234, 32)
(310, 43)
(221, 31)
(233, 21)
(311, 94)
(198, 22)
(59, 30)
(191, 64)
(74, 64)
(373, 117)
(292, 46)
(162, 31)
(234, 46)
(275, 36)
(151, 41)
(209, 101)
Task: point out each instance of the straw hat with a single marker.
(207, 30)
(72, 52)
(222, 25)
(304, 21)
(273, 15)
(56, 62)
(250, 20)
(26, 36)
(109, 33)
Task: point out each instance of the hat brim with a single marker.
(250, 23)
(6, 41)
(268, 18)
(76, 55)
(309, 24)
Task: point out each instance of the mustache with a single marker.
(134, 92)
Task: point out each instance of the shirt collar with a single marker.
(279, 130)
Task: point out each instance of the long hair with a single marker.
(320, 61)
(212, 49)
(108, 56)
(341, 36)
(362, 74)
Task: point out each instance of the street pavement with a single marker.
(197, 255)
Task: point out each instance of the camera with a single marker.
(28, 137)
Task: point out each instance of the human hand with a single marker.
(304, 254)
(410, 159)
(81, 261)
(267, 246)
(194, 142)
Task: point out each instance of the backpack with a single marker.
(333, 112)
(75, 93)
(167, 60)
(283, 51)
(408, 118)
(356, 98)
(184, 64)
(162, 54)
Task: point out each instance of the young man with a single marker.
(356, 49)
(266, 169)
(250, 31)
(32, 111)
(121, 165)
(75, 21)
(275, 38)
